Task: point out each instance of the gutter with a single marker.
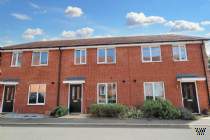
(205, 69)
(59, 76)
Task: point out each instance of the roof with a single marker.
(106, 41)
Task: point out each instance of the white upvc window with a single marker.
(179, 53)
(151, 53)
(80, 56)
(37, 94)
(16, 59)
(40, 58)
(154, 90)
(107, 93)
(106, 55)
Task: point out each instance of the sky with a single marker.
(40, 20)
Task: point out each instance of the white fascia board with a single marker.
(24, 50)
(103, 46)
(132, 45)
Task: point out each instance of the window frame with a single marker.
(75, 56)
(19, 53)
(150, 51)
(42, 51)
(105, 49)
(42, 104)
(106, 95)
(179, 48)
(153, 95)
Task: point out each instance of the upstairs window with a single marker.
(80, 56)
(106, 55)
(107, 93)
(154, 90)
(179, 53)
(151, 54)
(37, 94)
(40, 58)
(16, 59)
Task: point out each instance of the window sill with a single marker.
(80, 64)
(15, 66)
(152, 61)
(35, 104)
(180, 60)
(106, 63)
(39, 65)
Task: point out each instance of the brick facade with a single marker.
(129, 73)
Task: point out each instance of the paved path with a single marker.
(72, 133)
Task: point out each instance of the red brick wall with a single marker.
(129, 67)
(32, 75)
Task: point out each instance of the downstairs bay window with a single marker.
(154, 90)
(107, 93)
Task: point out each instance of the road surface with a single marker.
(98, 133)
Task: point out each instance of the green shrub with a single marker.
(161, 109)
(108, 110)
(133, 113)
(186, 114)
(59, 111)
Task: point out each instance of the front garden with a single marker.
(160, 109)
(154, 109)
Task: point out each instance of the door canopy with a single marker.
(189, 78)
(74, 80)
(9, 81)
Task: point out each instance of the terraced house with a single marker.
(36, 77)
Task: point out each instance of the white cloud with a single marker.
(139, 19)
(73, 11)
(205, 22)
(183, 25)
(102, 36)
(21, 16)
(208, 34)
(51, 38)
(31, 33)
(80, 33)
(37, 9)
(35, 6)
(6, 43)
